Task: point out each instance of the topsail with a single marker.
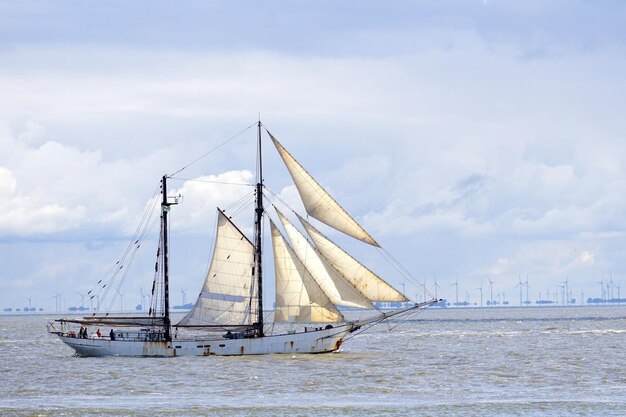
(317, 202)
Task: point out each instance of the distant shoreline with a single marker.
(448, 308)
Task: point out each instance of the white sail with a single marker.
(227, 291)
(339, 290)
(369, 284)
(298, 297)
(317, 202)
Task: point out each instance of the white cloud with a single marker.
(33, 133)
(502, 266)
(289, 199)
(24, 215)
(7, 183)
(586, 257)
(201, 196)
(469, 138)
(52, 187)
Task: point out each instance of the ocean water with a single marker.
(457, 362)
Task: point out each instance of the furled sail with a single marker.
(339, 290)
(298, 297)
(369, 284)
(317, 202)
(118, 321)
(227, 292)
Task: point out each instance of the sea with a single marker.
(527, 361)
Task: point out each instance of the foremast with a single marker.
(165, 208)
(258, 239)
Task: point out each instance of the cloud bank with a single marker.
(483, 139)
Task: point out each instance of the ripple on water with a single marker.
(462, 363)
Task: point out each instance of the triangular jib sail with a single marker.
(369, 284)
(298, 296)
(340, 291)
(228, 291)
(317, 202)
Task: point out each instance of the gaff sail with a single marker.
(227, 291)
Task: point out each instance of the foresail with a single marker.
(339, 290)
(298, 297)
(368, 283)
(317, 202)
(227, 292)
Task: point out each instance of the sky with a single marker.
(475, 140)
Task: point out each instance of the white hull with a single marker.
(318, 341)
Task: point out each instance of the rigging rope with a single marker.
(145, 226)
(312, 245)
(404, 272)
(214, 149)
(212, 182)
(407, 315)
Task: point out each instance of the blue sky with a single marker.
(483, 139)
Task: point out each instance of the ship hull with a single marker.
(317, 341)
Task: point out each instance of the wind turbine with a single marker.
(82, 299)
(121, 300)
(602, 288)
(520, 284)
(481, 293)
(184, 295)
(527, 298)
(562, 287)
(491, 292)
(436, 286)
(97, 301)
(456, 283)
(143, 295)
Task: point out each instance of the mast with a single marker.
(258, 222)
(165, 208)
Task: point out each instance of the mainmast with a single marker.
(258, 222)
(165, 208)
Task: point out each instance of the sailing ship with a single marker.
(316, 282)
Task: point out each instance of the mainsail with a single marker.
(298, 297)
(340, 291)
(317, 202)
(227, 292)
(369, 284)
